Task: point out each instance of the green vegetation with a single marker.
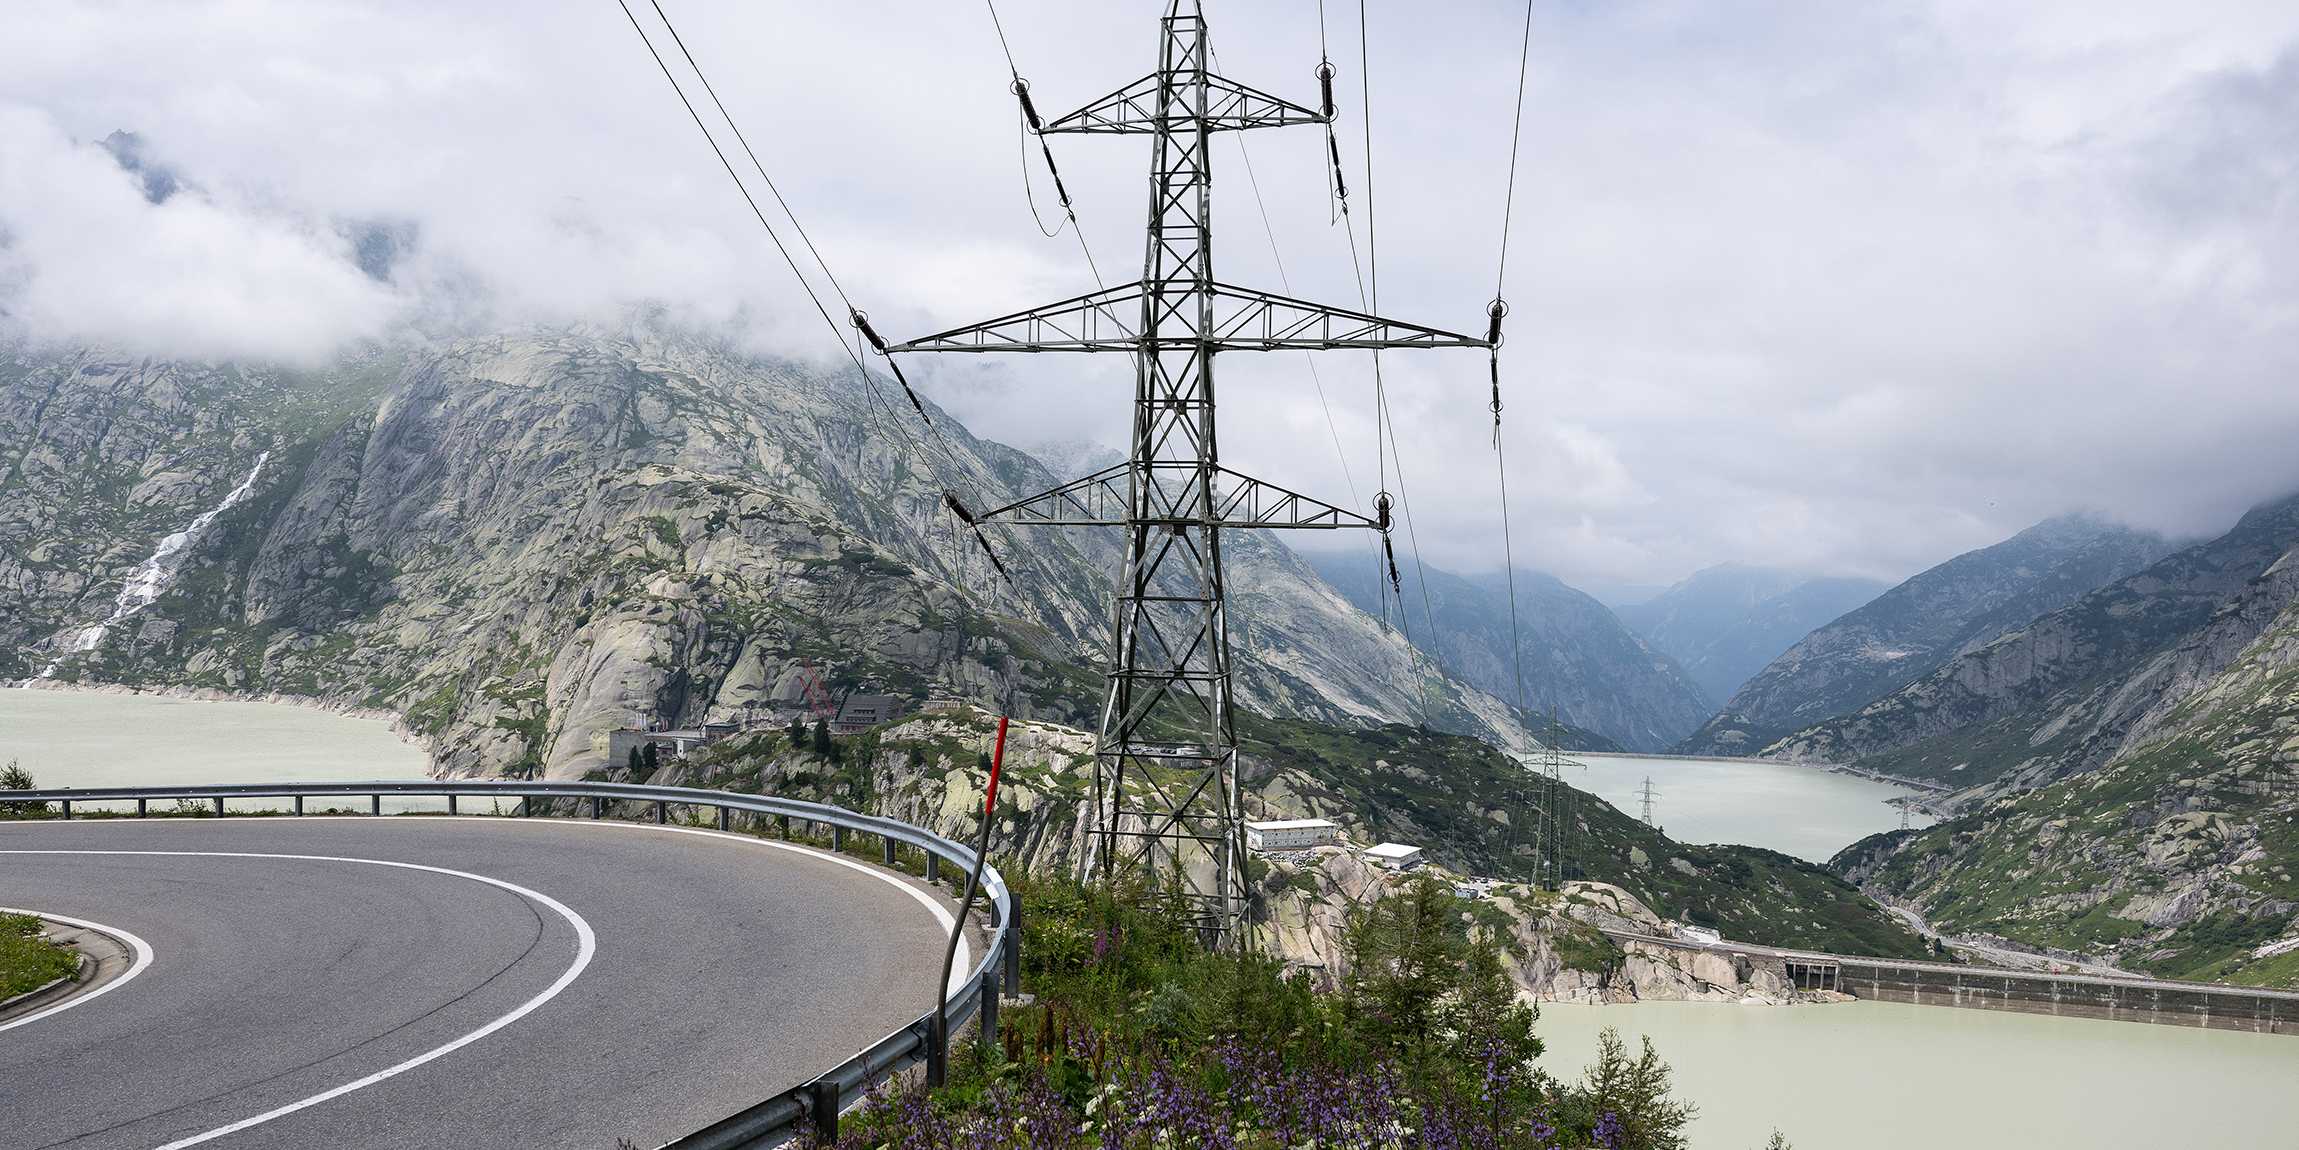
(1140, 1038)
(28, 961)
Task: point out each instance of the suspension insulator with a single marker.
(1021, 90)
(1059, 189)
(1325, 86)
(1333, 148)
(950, 500)
(1496, 309)
(1381, 511)
(861, 321)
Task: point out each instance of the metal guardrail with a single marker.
(815, 1104)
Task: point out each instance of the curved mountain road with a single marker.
(428, 982)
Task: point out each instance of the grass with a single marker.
(28, 961)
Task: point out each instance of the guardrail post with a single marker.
(822, 1099)
(933, 867)
(375, 804)
(598, 807)
(782, 823)
(67, 805)
(299, 804)
(141, 807)
(1013, 951)
(889, 845)
(219, 806)
(987, 1033)
(838, 838)
(937, 1050)
(722, 818)
(662, 812)
(451, 802)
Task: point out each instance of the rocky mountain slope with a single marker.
(1907, 632)
(2079, 686)
(1578, 658)
(1724, 624)
(522, 542)
(2180, 856)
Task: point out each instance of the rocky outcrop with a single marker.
(2179, 854)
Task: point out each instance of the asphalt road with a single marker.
(720, 971)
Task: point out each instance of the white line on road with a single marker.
(587, 945)
(143, 959)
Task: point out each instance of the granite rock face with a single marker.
(521, 542)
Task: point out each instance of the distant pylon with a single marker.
(1648, 796)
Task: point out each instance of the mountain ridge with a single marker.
(1923, 622)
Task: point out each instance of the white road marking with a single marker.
(143, 959)
(960, 970)
(587, 945)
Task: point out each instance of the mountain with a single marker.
(2175, 851)
(521, 542)
(1915, 627)
(2079, 686)
(1724, 624)
(1578, 658)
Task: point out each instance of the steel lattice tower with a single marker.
(1166, 789)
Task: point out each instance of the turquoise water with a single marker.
(1802, 811)
(91, 739)
(1891, 1076)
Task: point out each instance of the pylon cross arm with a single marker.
(1171, 497)
(1243, 319)
(1230, 107)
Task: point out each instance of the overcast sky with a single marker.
(1839, 287)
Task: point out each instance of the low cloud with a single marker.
(1842, 287)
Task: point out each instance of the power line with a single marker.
(860, 320)
(1497, 310)
(1372, 302)
(1029, 125)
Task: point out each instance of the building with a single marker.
(668, 744)
(861, 712)
(1291, 834)
(1395, 856)
(1699, 935)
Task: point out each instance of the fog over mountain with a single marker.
(1835, 288)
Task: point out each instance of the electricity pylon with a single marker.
(1648, 796)
(1165, 784)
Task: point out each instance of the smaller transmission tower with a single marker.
(1646, 796)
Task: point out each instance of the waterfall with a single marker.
(153, 575)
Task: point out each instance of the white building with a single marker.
(1395, 856)
(1290, 834)
(1699, 934)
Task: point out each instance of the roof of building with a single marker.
(1292, 824)
(1393, 850)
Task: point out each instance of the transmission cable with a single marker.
(1372, 304)
(1032, 126)
(1497, 310)
(859, 319)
